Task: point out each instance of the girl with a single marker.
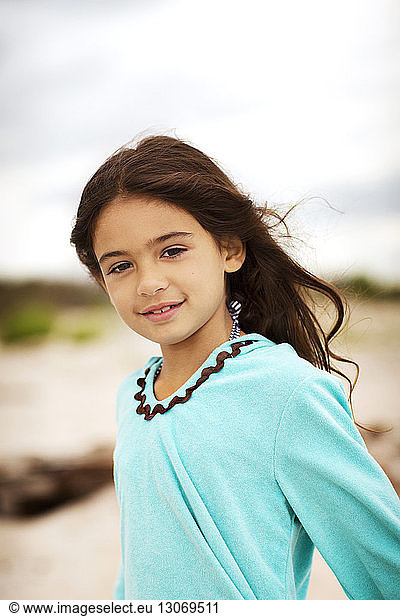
(236, 451)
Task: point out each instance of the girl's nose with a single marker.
(149, 285)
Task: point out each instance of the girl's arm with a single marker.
(340, 494)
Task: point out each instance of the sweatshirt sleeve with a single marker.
(119, 587)
(340, 494)
(122, 403)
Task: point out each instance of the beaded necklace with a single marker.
(145, 409)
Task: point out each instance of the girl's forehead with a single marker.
(141, 218)
(135, 208)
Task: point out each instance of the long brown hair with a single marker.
(274, 290)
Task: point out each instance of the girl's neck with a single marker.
(168, 383)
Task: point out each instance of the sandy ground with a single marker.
(59, 399)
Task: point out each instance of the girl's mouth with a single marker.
(163, 316)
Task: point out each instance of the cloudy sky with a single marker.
(294, 99)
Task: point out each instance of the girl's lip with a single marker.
(163, 316)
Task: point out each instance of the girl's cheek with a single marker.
(118, 281)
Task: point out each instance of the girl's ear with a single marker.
(235, 254)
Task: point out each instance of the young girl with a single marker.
(236, 450)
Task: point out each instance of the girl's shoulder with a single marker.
(307, 392)
(281, 364)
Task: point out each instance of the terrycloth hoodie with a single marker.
(226, 495)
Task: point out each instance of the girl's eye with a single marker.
(176, 248)
(117, 270)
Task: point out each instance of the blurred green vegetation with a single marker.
(82, 324)
(57, 294)
(36, 311)
(31, 321)
(367, 287)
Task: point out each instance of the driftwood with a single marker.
(32, 485)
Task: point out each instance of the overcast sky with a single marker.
(293, 98)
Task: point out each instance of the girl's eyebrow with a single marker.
(150, 244)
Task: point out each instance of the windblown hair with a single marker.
(274, 290)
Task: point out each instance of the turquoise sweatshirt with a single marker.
(225, 495)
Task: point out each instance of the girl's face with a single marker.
(186, 268)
